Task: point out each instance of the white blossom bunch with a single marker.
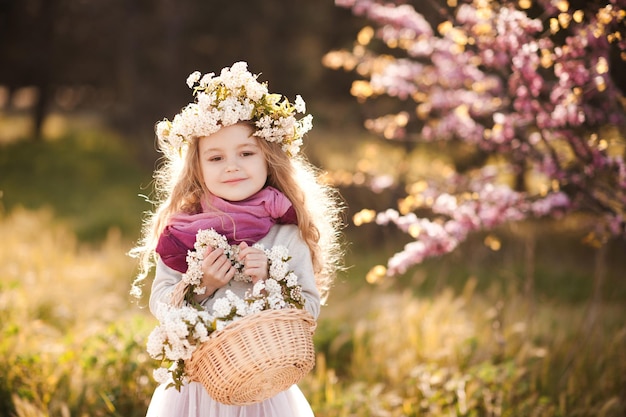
(280, 290)
(205, 239)
(234, 96)
(182, 329)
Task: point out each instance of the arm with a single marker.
(217, 272)
(301, 264)
(165, 281)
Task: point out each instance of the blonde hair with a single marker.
(179, 187)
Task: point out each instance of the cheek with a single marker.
(208, 175)
(263, 170)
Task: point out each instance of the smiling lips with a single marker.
(234, 180)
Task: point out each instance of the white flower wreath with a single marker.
(182, 329)
(235, 95)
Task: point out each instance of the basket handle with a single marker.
(178, 294)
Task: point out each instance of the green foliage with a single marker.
(90, 179)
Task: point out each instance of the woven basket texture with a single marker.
(256, 357)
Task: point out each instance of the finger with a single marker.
(224, 267)
(214, 262)
(230, 274)
(219, 274)
(252, 254)
(210, 265)
(258, 259)
(244, 250)
(260, 262)
(213, 254)
(208, 250)
(252, 270)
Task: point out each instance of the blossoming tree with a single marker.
(524, 87)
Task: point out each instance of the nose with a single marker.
(232, 166)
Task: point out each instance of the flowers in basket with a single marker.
(182, 328)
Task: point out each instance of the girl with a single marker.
(232, 164)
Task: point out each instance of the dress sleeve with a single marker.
(165, 280)
(302, 265)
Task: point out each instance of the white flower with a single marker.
(206, 79)
(156, 339)
(256, 306)
(241, 309)
(200, 332)
(210, 237)
(296, 294)
(161, 375)
(222, 307)
(193, 275)
(272, 286)
(279, 270)
(258, 288)
(256, 91)
(163, 128)
(264, 123)
(279, 253)
(306, 124)
(292, 279)
(276, 301)
(180, 350)
(193, 78)
(300, 105)
(233, 96)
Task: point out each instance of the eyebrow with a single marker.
(242, 146)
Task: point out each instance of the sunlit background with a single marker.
(525, 318)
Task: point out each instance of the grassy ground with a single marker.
(460, 335)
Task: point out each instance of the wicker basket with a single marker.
(255, 357)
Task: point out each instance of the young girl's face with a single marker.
(232, 164)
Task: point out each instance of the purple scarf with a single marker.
(242, 221)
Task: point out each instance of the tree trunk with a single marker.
(43, 63)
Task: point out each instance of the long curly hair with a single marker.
(179, 187)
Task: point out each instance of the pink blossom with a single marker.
(536, 99)
(549, 203)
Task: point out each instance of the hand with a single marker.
(254, 261)
(217, 271)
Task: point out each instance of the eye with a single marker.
(215, 158)
(247, 153)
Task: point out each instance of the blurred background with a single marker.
(514, 322)
(128, 61)
(121, 67)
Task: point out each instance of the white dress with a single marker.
(193, 400)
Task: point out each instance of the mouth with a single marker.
(234, 181)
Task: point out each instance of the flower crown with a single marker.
(234, 96)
